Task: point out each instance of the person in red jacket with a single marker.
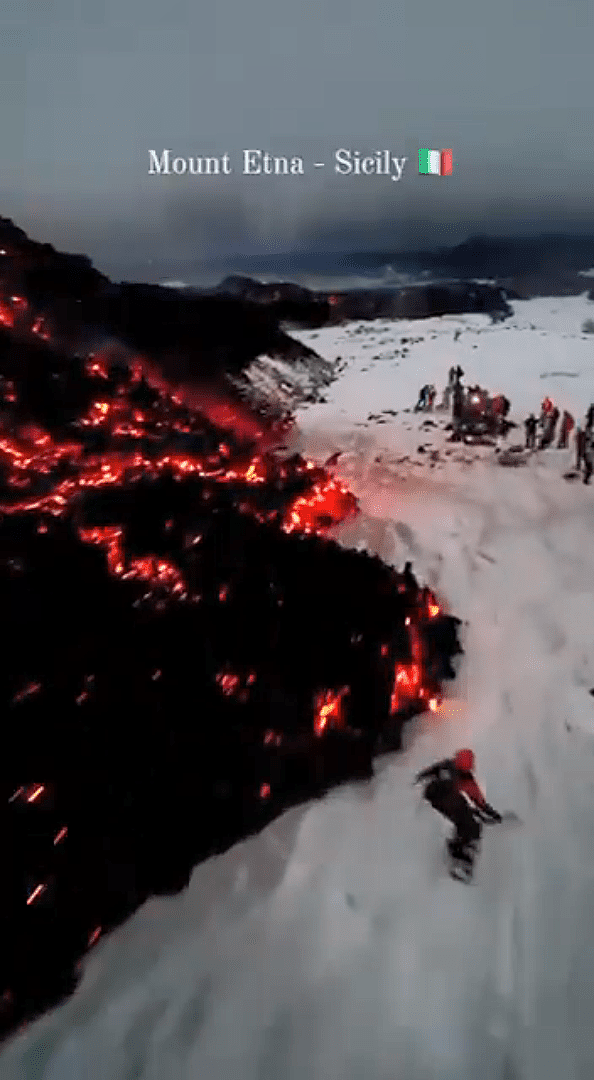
(454, 793)
(567, 424)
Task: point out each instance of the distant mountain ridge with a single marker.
(547, 264)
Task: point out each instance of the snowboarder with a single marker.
(530, 426)
(454, 793)
(431, 395)
(567, 424)
(458, 375)
(590, 418)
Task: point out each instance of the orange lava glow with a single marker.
(328, 709)
(228, 683)
(328, 504)
(27, 691)
(6, 315)
(37, 891)
(234, 685)
(29, 454)
(272, 738)
(408, 678)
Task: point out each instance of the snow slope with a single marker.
(333, 945)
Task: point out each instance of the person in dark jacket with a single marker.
(409, 578)
(580, 446)
(458, 402)
(530, 426)
(421, 405)
(453, 791)
(588, 456)
(590, 418)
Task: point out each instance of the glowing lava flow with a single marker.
(28, 454)
(33, 459)
(329, 503)
(140, 421)
(328, 710)
(409, 685)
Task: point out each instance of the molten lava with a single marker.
(37, 892)
(31, 454)
(329, 503)
(328, 709)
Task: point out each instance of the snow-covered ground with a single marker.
(334, 946)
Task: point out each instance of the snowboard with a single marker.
(461, 869)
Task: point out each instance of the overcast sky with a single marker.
(89, 86)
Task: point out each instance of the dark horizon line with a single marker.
(478, 256)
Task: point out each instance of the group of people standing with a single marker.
(470, 403)
(428, 393)
(550, 428)
(541, 431)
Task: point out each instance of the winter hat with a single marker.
(464, 760)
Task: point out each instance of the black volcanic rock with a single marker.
(290, 303)
(43, 274)
(422, 301)
(190, 335)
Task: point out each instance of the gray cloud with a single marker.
(91, 85)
